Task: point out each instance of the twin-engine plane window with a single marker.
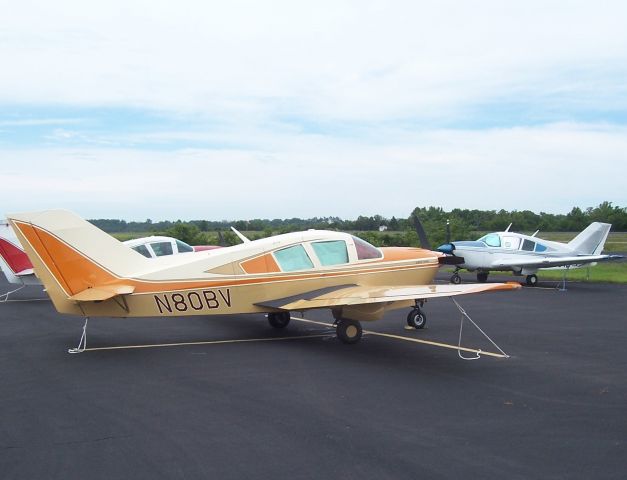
(540, 248)
(528, 245)
(143, 250)
(293, 258)
(331, 253)
(365, 250)
(161, 248)
(183, 247)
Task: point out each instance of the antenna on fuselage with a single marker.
(241, 236)
(508, 227)
(535, 233)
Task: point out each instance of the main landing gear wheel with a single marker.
(279, 319)
(456, 279)
(482, 277)
(416, 318)
(532, 280)
(348, 331)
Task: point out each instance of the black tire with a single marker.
(417, 319)
(532, 280)
(348, 331)
(279, 319)
(456, 279)
(482, 277)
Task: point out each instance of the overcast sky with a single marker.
(227, 110)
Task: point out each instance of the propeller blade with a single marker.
(422, 235)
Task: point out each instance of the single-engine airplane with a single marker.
(89, 273)
(18, 269)
(526, 254)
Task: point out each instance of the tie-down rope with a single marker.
(461, 327)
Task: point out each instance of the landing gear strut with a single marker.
(532, 280)
(348, 331)
(279, 319)
(416, 318)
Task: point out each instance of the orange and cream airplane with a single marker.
(89, 273)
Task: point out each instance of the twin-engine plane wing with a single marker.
(87, 272)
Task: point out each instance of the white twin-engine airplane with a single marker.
(89, 273)
(526, 254)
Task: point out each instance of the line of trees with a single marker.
(400, 231)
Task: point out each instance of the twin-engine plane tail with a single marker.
(75, 260)
(592, 240)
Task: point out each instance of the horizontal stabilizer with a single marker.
(24, 273)
(98, 294)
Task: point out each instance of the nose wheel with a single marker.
(456, 279)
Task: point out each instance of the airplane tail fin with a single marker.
(72, 257)
(592, 240)
(13, 259)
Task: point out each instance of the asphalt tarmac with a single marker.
(305, 406)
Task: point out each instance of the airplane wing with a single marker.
(548, 262)
(358, 295)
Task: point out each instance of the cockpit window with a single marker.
(365, 250)
(143, 250)
(491, 240)
(183, 247)
(293, 258)
(528, 245)
(161, 248)
(331, 253)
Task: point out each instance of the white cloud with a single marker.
(544, 169)
(343, 60)
(247, 80)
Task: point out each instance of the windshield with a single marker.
(491, 240)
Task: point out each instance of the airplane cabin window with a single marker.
(161, 248)
(293, 258)
(511, 242)
(183, 247)
(365, 250)
(491, 240)
(331, 253)
(528, 245)
(143, 250)
(540, 248)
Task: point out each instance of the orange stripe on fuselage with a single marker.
(75, 272)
